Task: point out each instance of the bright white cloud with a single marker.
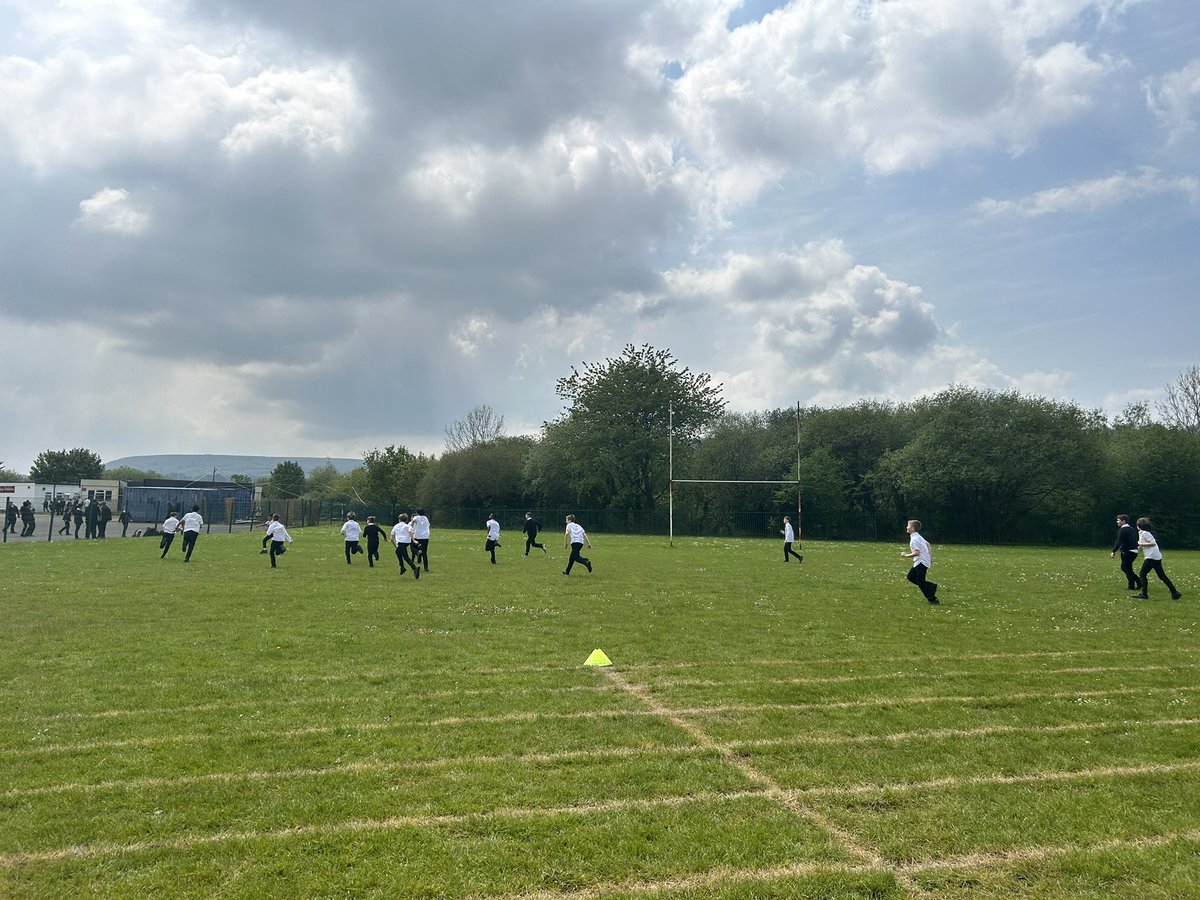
(1093, 195)
(1175, 99)
(143, 85)
(111, 209)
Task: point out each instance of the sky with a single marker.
(314, 229)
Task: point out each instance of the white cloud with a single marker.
(890, 86)
(1093, 195)
(142, 84)
(111, 209)
(1175, 99)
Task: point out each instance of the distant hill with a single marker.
(201, 465)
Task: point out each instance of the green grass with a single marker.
(767, 730)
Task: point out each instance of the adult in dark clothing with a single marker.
(66, 521)
(1127, 545)
(531, 528)
(373, 534)
(28, 519)
(124, 518)
(92, 517)
(77, 515)
(103, 517)
(10, 517)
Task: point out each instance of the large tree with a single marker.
(286, 481)
(390, 477)
(66, 466)
(614, 433)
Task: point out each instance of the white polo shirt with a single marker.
(1151, 550)
(493, 528)
(192, 521)
(420, 527)
(576, 532)
(276, 532)
(352, 530)
(402, 533)
(921, 546)
(170, 525)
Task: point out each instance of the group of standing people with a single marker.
(1129, 542)
(91, 515)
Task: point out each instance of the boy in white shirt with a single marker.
(493, 536)
(402, 537)
(576, 537)
(922, 557)
(277, 535)
(789, 537)
(168, 533)
(1151, 561)
(352, 531)
(192, 523)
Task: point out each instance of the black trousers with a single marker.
(420, 552)
(276, 549)
(352, 547)
(531, 541)
(372, 551)
(167, 539)
(788, 551)
(490, 547)
(1127, 558)
(189, 544)
(1155, 566)
(576, 550)
(917, 576)
(404, 556)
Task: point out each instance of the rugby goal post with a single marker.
(672, 480)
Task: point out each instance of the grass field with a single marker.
(766, 730)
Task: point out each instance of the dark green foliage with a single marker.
(286, 482)
(66, 466)
(613, 439)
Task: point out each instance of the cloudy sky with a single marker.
(309, 228)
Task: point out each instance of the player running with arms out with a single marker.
(278, 535)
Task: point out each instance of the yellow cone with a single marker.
(598, 659)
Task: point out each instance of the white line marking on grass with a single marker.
(940, 733)
(197, 841)
(354, 768)
(846, 841)
(1002, 858)
(953, 782)
(502, 718)
(339, 699)
(508, 691)
(570, 755)
(354, 826)
(792, 663)
(376, 766)
(721, 875)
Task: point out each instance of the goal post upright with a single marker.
(671, 479)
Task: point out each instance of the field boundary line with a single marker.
(847, 842)
(218, 706)
(572, 755)
(775, 794)
(526, 716)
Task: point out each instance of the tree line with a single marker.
(974, 465)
